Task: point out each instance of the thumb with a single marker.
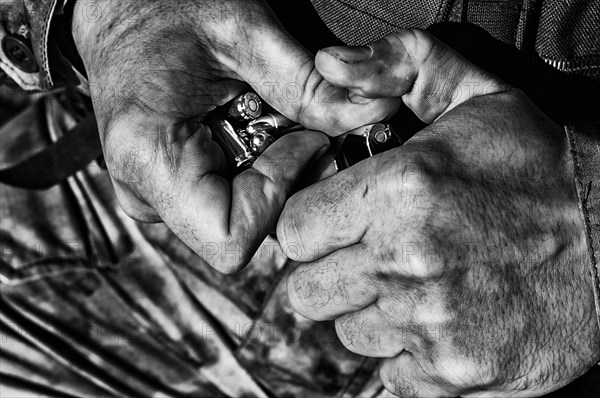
(282, 72)
(430, 77)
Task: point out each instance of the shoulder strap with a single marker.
(52, 165)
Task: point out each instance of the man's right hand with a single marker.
(157, 68)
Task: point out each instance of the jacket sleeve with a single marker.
(584, 141)
(30, 55)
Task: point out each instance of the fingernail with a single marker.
(350, 54)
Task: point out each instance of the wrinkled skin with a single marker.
(156, 68)
(460, 257)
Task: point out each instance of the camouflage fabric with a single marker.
(95, 304)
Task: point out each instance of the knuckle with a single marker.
(224, 266)
(134, 207)
(417, 174)
(422, 37)
(224, 259)
(229, 268)
(276, 172)
(418, 256)
(412, 174)
(415, 179)
(372, 87)
(222, 252)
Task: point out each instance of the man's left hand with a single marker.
(459, 257)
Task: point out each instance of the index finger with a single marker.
(325, 216)
(222, 221)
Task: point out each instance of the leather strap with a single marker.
(52, 165)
